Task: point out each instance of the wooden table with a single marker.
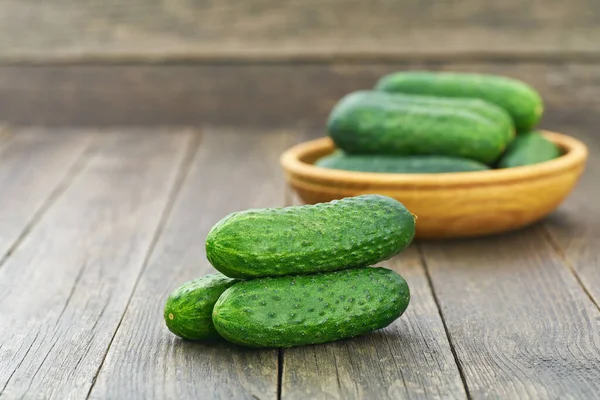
(97, 227)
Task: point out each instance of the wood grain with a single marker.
(262, 28)
(519, 322)
(65, 288)
(575, 228)
(410, 359)
(34, 168)
(286, 95)
(232, 171)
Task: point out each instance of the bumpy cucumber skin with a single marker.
(299, 310)
(527, 149)
(399, 164)
(351, 232)
(370, 122)
(188, 310)
(519, 99)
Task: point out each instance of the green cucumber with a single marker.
(519, 99)
(399, 164)
(372, 122)
(299, 310)
(527, 149)
(188, 309)
(351, 232)
(484, 108)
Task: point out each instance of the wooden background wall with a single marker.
(277, 63)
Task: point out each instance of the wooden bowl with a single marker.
(448, 205)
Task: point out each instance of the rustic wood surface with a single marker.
(575, 230)
(229, 173)
(517, 317)
(269, 63)
(153, 29)
(34, 169)
(282, 95)
(64, 289)
(121, 223)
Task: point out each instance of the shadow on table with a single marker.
(221, 346)
(207, 347)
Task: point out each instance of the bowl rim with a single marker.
(575, 154)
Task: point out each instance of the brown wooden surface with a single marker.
(410, 359)
(81, 294)
(203, 28)
(285, 95)
(64, 289)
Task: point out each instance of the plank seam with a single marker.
(279, 373)
(182, 174)
(37, 370)
(337, 372)
(72, 172)
(569, 265)
(441, 314)
(71, 293)
(19, 364)
(298, 57)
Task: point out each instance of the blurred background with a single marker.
(278, 63)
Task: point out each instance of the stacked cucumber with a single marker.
(436, 122)
(298, 275)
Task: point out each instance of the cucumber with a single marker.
(484, 108)
(527, 149)
(299, 310)
(520, 100)
(188, 309)
(372, 122)
(399, 164)
(351, 232)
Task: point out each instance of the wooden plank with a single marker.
(575, 227)
(409, 359)
(232, 171)
(65, 288)
(259, 28)
(518, 320)
(277, 96)
(35, 166)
